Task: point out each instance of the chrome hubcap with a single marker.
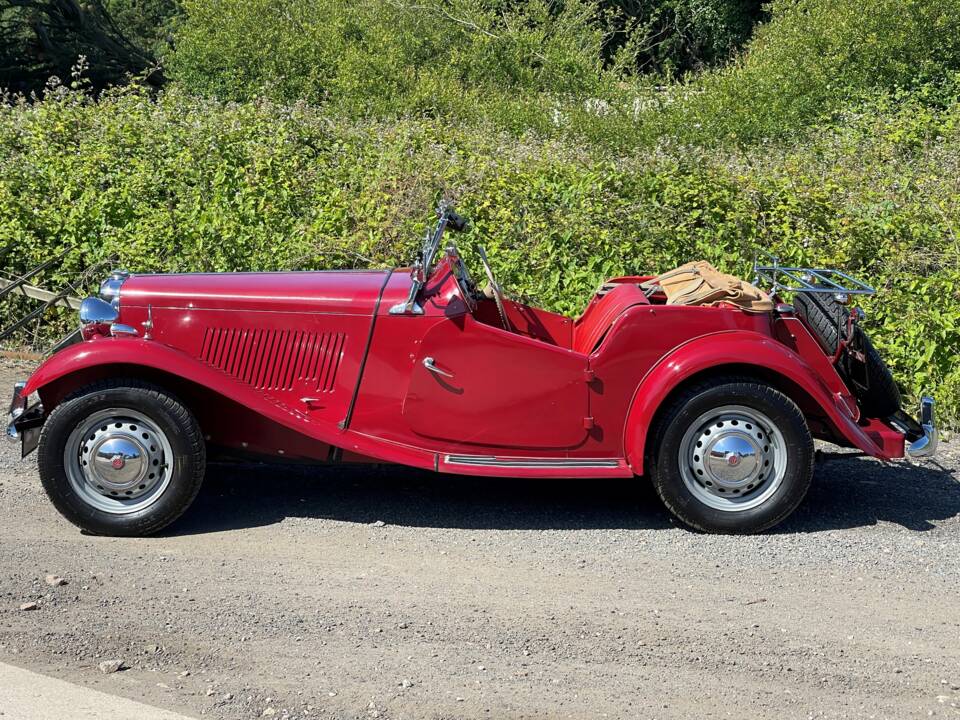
(118, 461)
(733, 458)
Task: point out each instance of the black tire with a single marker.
(871, 381)
(166, 413)
(821, 311)
(880, 397)
(776, 500)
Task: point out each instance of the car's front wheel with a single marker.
(121, 458)
(731, 456)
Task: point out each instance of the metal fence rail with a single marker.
(30, 285)
(8, 286)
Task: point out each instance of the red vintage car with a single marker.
(717, 405)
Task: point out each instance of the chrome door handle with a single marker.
(428, 364)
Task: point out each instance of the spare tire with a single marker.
(870, 378)
(822, 313)
(881, 396)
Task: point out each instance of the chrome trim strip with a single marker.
(925, 446)
(110, 288)
(491, 461)
(121, 330)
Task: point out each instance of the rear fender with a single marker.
(741, 351)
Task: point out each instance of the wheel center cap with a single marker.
(732, 459)
(118, 463)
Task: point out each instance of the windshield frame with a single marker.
(423, 265)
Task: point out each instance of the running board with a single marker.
(541, 467)
(493, 461)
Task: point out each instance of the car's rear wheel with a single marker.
(731, 456)
(121, 458)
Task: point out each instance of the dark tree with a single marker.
(677, 36)
(149, 24)
(42, 38)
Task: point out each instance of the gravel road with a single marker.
(364, 593)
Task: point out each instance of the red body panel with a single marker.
(133, 352)
(320, 355)
(350, 292)
(299, 338)
(529, 321)
(471, 407)
(592, 327)
(745, 349)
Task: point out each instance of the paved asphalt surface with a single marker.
(388, 593)
(26, 695)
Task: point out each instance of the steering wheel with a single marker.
(494, 287)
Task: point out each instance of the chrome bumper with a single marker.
(926, 444)
(18, 406)
(26, 420)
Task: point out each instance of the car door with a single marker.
(477, 384)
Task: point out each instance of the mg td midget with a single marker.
(709, 387)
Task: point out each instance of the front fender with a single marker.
(744, 348)
(123, 351)
(54, 379)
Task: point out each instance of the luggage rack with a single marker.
(807, 280)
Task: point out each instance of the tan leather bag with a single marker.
(700, 283)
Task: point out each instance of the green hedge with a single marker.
(180, 183)
(812, 59)
(545, 66)
(391, 58)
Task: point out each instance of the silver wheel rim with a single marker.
(118, 461)
(733, 458)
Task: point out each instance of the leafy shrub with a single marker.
(181, 183)
(813, 59)
(567, 70)
(403, 57)
(388, 58)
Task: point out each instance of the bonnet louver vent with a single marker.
(275, 359)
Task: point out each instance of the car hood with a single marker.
(353, 292)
